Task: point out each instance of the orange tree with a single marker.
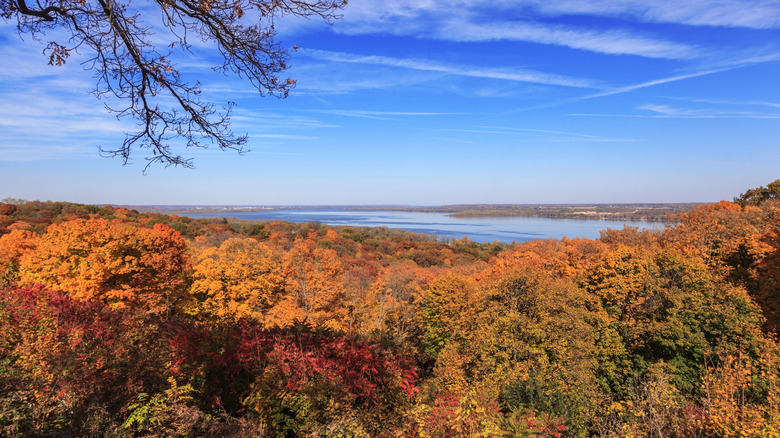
(724, 235)
(738, 243)
(12, 246)
(121, 264)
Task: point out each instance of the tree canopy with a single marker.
(120, 323)
(760, 194)
(131, 48)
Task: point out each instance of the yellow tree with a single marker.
(741, 395)
(452, 308)
(314, 287)
(397, 297)
(358, 280)
(239, 279)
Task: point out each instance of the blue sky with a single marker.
(438, 102)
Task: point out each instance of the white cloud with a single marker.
(378, 115)
(519, 75)
(756, 14)
(668, 111)
(543, 134)
(664, 111)
(438, 21)
(726, 102)
(259, 120)
(652, 83)
(19, 150)
(326, 78)
(724, 66)
(611, 42)
(529, 21)
(284, 137)
(405, 17)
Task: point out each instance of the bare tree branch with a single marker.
(131, 70)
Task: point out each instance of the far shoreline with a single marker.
(646, 212)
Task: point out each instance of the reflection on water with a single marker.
(503, 229)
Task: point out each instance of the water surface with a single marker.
(488, 229)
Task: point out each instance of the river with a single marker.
(489, 229)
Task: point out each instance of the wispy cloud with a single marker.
(464, 20)
(325, 80)
(407, 17)
(652, 83)
(724, 66)
(546, 134)
(611, 42)
(261, 120)
(284, 136)
(18, 149)
(378, 115)
(657, 111)
(563, 133)
(725, 102)
(519, 75)
(755, 14)
(669, 111)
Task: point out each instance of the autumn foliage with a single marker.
(94, 258)
(239, 279)
(117, 323)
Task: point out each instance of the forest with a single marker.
(115, 323)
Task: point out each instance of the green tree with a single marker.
(667, 308)
(760, 194)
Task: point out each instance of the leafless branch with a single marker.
(142, 77)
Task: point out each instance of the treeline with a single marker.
(616, 212)
(118, 323)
